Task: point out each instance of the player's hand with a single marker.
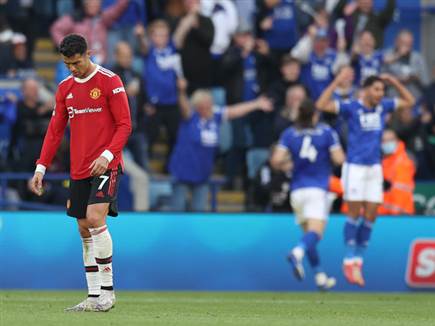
(389, 79)
(35, 184)
(99, 166)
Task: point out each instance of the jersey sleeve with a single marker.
(344, 108)
(220, 114)
(390, 104)
(118, 106)
(55, 131)
(333, 140)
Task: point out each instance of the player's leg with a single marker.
(323, 281)
(103, 250)
(91, 268)
(76, 207)
(353, 184)
(372, 198)
(102, 202)
(296, 255)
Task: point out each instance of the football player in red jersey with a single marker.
(94, 102)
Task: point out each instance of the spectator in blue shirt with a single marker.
(8, 115)
(162, 68)
(123, 27)
(191, 163)
(320, 61)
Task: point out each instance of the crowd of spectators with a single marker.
(220, 52)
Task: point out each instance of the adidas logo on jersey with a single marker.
(69, 96)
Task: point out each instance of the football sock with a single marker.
(308, 242)
(314, 260)
(363, 237)
(91, 268)
(350, 237)
(103, 255)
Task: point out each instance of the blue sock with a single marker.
(309, 241)
(350, 237)
(314, 260)
(363, 237)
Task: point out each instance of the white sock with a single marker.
(103, 255)
(91, 268)
(298, 252)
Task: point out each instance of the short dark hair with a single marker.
(307, 109)
(369, 81)
(288, 59)
(73, 44)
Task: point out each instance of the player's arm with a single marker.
(241, 109)
(335, 150)
(337, 155)
(53, 137)
(325, 103)
(406, 99)
(118, 106)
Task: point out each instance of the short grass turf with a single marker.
(222, 308)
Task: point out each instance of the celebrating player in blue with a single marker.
(312, 146)
(362, 173)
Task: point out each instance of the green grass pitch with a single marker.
(222, 308)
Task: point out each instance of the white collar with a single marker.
(92, 74)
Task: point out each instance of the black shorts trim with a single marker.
(94, 190)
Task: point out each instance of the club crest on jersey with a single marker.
(95, 93)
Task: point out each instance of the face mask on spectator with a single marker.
(389, 147)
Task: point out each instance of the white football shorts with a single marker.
(362, 182)
(310, 203)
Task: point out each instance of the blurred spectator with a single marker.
(8, 116)
(399, 171)
(413, 131)
(429, 148)
(360, 16)
(320, 61)
(91, 22)
(289, 112)
(134, 86)
(223, 14)
(6, 53)
(193, 37)
(32, 122)
(271, 188)
(246, 12)
(191, 163)
(276, 23)
(408, 65)
(366, 60)
(429, 94)
(122, 28)
(245, 66)
(21, 66)
(162, 68)
(290, 75)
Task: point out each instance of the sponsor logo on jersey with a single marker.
(72, 112)
(95, 93)
(69, 96)
(420, 271)
(118, 90)
(99, 194)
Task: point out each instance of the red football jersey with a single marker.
(99, 116)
